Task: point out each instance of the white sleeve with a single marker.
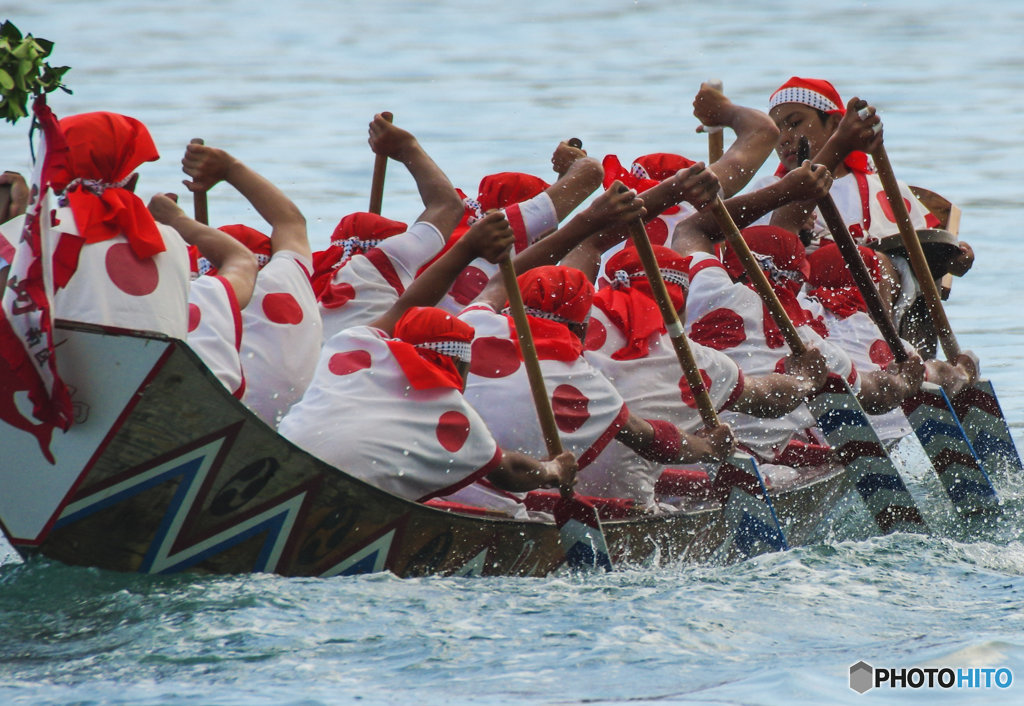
(539, 217)
(412, 249)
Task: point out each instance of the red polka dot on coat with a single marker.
(720, 329)
(883, 201)
(194, 316)
(129, 273)
(687, 394)
(335, 295)
(452, 430)
(349, 362)
(657, 231)
(282, 308)
(880, 354)
(570, 408)
(597, 334)
(468, 284)
(494, 357)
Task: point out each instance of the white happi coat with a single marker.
(858, 335)
(730, 317)
(653, 387)
(530, 221)
(281, 336)
(215, 329)
(360, 414)
(366, 286)
(588, 410)
(864, 207)
(112, 287)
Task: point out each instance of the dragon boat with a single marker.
(164, 471)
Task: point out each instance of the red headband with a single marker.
(104, 149)
(815, 92)
(426, 340)
(629, 303)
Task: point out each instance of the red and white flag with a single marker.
(27, 349)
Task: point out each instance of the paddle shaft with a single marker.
(716, 135)
(915, 253)
(200, 206)
(757, 276)
(861, 277)
(541, 401)
(380, 165)
(674, 326)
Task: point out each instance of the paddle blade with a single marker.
(582, 536)
(857, 446)
(747, 524)
(986, 428)
(943, 438)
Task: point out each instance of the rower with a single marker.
(840, 138)
(628, 342)
(114, 265)
(215, 301)
(533, 207)
(833, 293)
(660, 176)
(281, 329)
(365, 282)
(386, 402)
(726, 314)
(589, 412)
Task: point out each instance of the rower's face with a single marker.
(796, 120)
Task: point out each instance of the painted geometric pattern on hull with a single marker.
(276, 525)
(850, 434)
(986, 428)
(939, 431)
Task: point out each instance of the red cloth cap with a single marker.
(554, 297)
(815, 92)
(832, 280)
(355, 234)
(563, 292)
(820, 95)
(257, 242)
(507, 188)
(613, 170)
(366, 226)
(629, 302)
(660, 165)
(426, 368)
(787, 253)
(104, 149)
(784, 261)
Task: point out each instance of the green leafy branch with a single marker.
(23, 71)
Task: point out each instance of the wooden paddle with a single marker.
(716, 135)
(199, 203)
(839, 414)
(915, 253)
(380, 165)
(977, 407)
(929, 411)
(578, 521)
(855, 263)
(741, 471)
